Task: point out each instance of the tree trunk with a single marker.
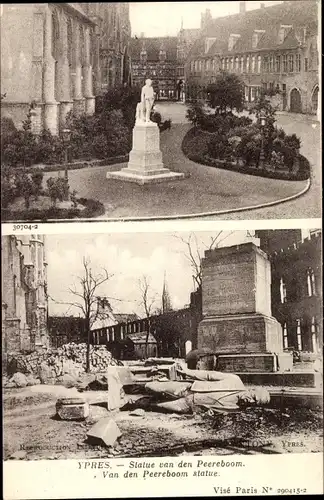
(147, 337)
(88, 348)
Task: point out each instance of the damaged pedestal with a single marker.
(145, 164)
(237, 323)
(72, 408)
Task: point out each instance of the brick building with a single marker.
(272, 47)
(162, 59)
(24, 294)
(55, 57)
(296, 286)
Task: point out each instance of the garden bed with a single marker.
(42, 210)
(195, 147)
(76, 165)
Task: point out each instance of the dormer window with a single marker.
(283, 32)
(162, 55)
(232, 41)
(143, 56)
(256, 37)
(209, 42)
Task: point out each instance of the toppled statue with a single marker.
(144, 108)
(212, 390)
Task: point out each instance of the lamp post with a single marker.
(262, 157)
(66, 137)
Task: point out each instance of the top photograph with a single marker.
(160, 110)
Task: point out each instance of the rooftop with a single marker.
(153, 47)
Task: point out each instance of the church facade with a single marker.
(57, 57)
(274, 48)
(24, 294)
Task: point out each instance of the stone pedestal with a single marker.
(145, 164)
(236, 305)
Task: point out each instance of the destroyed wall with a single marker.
(24, 294)
(49, 364)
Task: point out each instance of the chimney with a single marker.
(242, 7)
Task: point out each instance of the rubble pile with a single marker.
(52, 364)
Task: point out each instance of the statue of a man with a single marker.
(147, 100)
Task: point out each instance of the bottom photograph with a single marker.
(162, 344)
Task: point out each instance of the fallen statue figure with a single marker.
(212, 390)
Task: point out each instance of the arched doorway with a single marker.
(295, 101)
(315, 99)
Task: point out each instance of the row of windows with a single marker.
(310, 284)
(287, 63)
(300, 330)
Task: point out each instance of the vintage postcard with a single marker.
(155, 356)
(161, 249)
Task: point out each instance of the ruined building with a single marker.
(24, 294)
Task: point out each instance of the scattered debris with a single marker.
(138, 413)
(19, 379)
(106, 430)
(96, 414)
(72, 409)
(70, 359)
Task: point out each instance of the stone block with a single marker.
(236, 280)
(72, 409)
(19, 379)
(106, 430)
(234, 363)
(241, 333)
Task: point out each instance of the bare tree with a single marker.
(194, 252)
(86, 293)
(147, 302)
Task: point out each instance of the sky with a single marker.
(128, 256)
(164, 18)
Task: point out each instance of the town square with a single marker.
(234, 113)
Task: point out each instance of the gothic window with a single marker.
(311, 284)
(69, 42)
(242, 64)
(306, 64)
(259, 64)
(285, 336)
(223, 63)
(277, 66)
(285, 63)
(208, 65)
(298, 63)
(236, 64)
(265, 64)
(82, 45)
(283, 291)
(299, 335)
(192, 66)
(291, 63)
(55, 37)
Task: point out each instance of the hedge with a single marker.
(194, 137)
(93, 208)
